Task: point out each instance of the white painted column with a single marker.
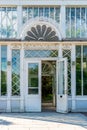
(21, 80)
(60, 52)
(63, 21)
(73, 77)
(8, 79)
(19, 24)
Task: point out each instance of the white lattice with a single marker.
(67, 53)
(41, 53)
(15, 72)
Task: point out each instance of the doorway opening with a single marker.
(48, 85)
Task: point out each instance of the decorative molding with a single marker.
(16, 46)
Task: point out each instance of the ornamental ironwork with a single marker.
(41, 33)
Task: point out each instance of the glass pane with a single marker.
(33, 75)
(8, 22)
(35, 12)
(15, 72)
(40, 12)
(33, 91)
(68, 23)
(41, 53)
(24, 15)
(67, 53)
(61, 80)
(57, 14)
(85, 70)
(52, 13)
(77, 22)
(46, 12)
(83, 22)
(3, 70)
(72, 22)
(30, 13)
(78, 70)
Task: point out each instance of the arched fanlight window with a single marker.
(41, 33)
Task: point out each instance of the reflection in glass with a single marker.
(35, 12)
(85, 70)
(76, 22)
(57, 14)
(73, 22)
(8, 22)
(30, 12)
(32, 78)
(40, 12)
(52, 13)
(68, 20)
(46, 12)
(78, 70)
(3, 70)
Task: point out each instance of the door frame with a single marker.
(33, 60)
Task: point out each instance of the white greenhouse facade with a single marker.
(43, 55)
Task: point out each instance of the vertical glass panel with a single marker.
(32, 78)
(8, 22)
(67, 53)
(72, 22)
(3, 70)
(40, 12)
(61, 80)
(46, 12)
(77, 22)
(86, 21)
(4, 24)
(78, 70)
(15, 72)
(57, 14)
(82, 22)
(14, 22)
(24, 14)
(30, 13)
(52, 13)
(85, 70)
(35, 12)
(68, 23)
(0, 20)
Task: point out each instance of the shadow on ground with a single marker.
(5, 122)
(70, 118)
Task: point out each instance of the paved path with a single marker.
(42, 121)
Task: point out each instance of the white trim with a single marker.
(21, 81)
(8, 80)
(73, 78)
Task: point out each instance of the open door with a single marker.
(62, 96)
(33, 86)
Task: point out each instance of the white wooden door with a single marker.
(62, 97)
(33, 86)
